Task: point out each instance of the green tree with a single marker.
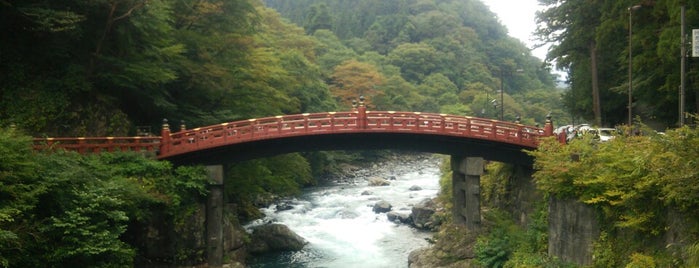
(318, 18)
(330, 51)
(19, 193)
(398, 95)
(416, 61)
(575, 43)
(353, 79)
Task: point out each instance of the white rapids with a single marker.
(344, 231)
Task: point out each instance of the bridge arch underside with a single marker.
(431, 143)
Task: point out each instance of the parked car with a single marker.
(606, 134)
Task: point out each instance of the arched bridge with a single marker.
(356, 129)
(468, 140)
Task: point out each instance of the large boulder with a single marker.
(433, 257)
(274, 237)
(376, 181)
(422, 214)
(382, 206)
(398, 217)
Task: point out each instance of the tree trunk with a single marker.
(596, 107)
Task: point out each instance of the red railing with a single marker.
(99, 144)
(359, 121)
(258, 129)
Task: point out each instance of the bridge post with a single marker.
(548, 126)
(214, 217)
(165, 138)
(361, 115)
(466, 180)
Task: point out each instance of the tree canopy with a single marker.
(591, 40)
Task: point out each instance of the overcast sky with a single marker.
(518, 17)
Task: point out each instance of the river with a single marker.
(341, 227)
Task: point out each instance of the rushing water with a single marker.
(341, 228)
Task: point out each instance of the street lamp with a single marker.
(631, 9)
(495, 106)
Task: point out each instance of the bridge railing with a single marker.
(260, 128)
(99, 144)
(465, 126)
(358, 120)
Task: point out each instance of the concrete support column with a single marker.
(214, 217)
(466, 186)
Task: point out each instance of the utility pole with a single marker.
(683, 51)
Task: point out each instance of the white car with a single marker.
(606, 134)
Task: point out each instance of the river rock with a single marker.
(422, 214)
(398, 217)
(415, 188)
(284, 206)
(367, 192)
(275, 237)
(382, 206)
(376, 181)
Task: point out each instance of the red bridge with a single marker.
(357, 129)
(468, 140)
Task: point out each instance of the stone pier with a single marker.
(214, 217)
(466, 186)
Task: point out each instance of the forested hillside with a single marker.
(444, 56)
(103, 67)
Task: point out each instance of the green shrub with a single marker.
(493, 251)
(639, 260)
(68, 210)
(692, 252)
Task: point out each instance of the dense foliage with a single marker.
(642, 187)
(108, 66)
(591, 40)
(68, 210)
